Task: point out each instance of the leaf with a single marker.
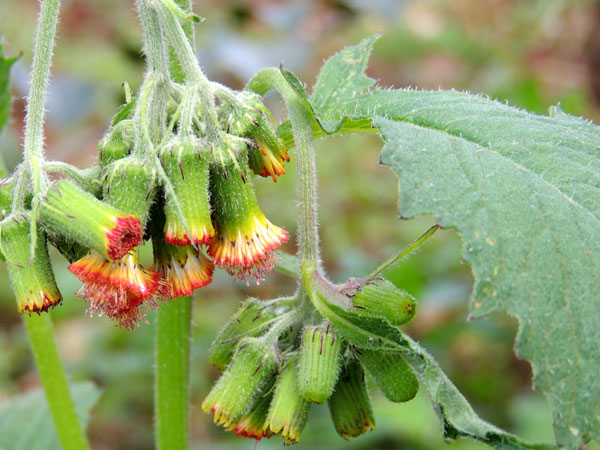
(26, 423)
(457, 416)
(5, 66)
(522, 190)
(287, 264)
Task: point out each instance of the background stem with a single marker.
(54, 379)
(171, 389)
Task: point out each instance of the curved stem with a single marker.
(172, 372)
(54, 379)
(308, 232)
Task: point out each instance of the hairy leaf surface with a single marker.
(523, 192)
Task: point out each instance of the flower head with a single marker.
(183, 270)
(289, 409)
(186, 164)
(67, 210)
(33, 283)
(350, 405)
(116, 288)
(245, 239)
(254, 425)
(249, 377)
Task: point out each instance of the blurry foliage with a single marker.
(530, 53)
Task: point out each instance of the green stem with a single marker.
(33, 149)
(54, 380)
(172, 372)
(173, 336)
(300, 114)
(405, 251)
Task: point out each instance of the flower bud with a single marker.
(320, 361)
(245, 239)
(269, 155)
(381, 298)
(248, 378)
(33, 283)
(6, 196)
(186, 164)
(116, 288)
(289, 409)
(350, 405)
(254, 425)
(130, 184)
(117, 144)
(248, 321)
(183, 270)
(394, 377)
(68, 211)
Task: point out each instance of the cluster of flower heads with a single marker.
(272, 378)
(194, 201)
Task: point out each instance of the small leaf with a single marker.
(287, 264)
(26, 423)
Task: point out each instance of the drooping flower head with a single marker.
(248, 378)
(267, 154)
(245, 239)
(66, 210)
(116, 288)
(350, 405)
(254, 425)
(289, 409)
(186, 162)
(33, 283)
(183, 270)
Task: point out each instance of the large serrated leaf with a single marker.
(457, 416)
(26, 423)
(523, 191)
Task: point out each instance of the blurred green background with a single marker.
(531, 53)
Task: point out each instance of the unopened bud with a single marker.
(381, 298)
(32, 282)
(350, 405)
(289, 409)
(248, 378)
(186, 164)
(117, 144)
(248, 321)
(68, 211)
(394, 377)
(320, 362)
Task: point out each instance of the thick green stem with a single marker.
(54, 379)
(173, 338)
(308, 231)
(172, 372)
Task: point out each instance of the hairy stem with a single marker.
(308, 232)
(173, 327)
(172, 372)
(54, 379)
(33, 149)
